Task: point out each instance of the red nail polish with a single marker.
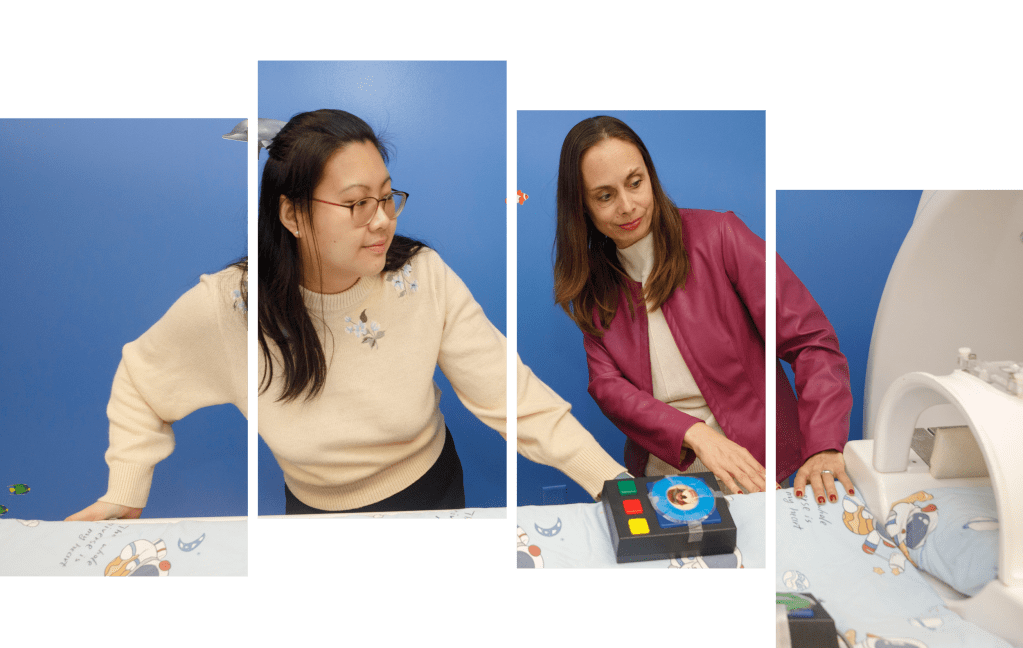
(852, 492)
(799, 493)
(832, 498)
(820, 500)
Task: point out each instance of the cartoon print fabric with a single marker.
(493, 513)
(577, 535)
(113, 548)
(952, 533)
(854, 564)
(140, 558)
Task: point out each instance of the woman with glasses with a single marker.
(672, 306)
(353, 321)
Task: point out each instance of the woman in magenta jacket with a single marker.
(684, 378)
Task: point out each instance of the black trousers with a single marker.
(441, 488)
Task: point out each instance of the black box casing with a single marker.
(662, 544)
(814, 632)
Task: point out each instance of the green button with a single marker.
(627, 487)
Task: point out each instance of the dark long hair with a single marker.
(298, 155)
(587, 273)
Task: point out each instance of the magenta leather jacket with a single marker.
(717, 320)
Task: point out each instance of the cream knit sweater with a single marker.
(195, 356)
(376, 426)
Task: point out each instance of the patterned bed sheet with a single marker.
(493, 513)
(577, 535)
(116, 548)
(877, 598)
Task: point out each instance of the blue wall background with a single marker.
(705, 160)
(106, 224)
(841, 245)
(446, 122)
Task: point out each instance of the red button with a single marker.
(632, 507)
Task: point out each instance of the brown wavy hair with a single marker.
(587, 273)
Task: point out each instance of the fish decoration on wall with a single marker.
(15, 489)
(267, 129)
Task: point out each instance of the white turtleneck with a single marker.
(672, 380)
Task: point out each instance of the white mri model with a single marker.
(956, 288)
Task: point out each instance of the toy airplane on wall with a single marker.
(266, 131)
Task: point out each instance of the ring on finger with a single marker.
(831, 497)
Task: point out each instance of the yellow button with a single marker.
(638, 526)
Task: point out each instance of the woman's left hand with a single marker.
(821, 471)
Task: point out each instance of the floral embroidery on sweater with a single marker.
(239, 298)
(370, 333)
(399, 280)
(239, 302)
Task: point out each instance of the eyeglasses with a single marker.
(364, 210)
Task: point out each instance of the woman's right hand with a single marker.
(105, 511)
(731, 463)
